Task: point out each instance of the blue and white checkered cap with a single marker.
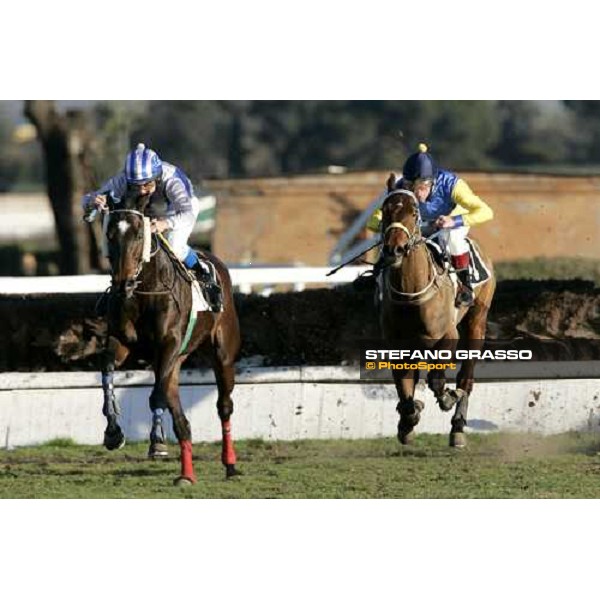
(142, 165)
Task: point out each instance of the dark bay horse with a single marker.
(417, 304)
(149, 307)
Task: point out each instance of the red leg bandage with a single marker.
(187, 468)
(228, 453)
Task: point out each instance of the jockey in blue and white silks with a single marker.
(148, 175)
(142, 168)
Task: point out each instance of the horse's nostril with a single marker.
(399, 251)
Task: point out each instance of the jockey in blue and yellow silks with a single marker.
(445, 202)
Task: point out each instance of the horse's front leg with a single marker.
(166, 395)
(158, 443)
(436, 378)
(113, 356)
(182, 429)
(159, 404)
(409, 408)
(458, 438)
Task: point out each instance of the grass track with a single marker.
(493, 466)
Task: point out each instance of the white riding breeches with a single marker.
(184, 224)
(454, 240)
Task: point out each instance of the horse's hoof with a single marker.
(458, 439)
(449, 398)
(231, 471)
(158, 451)
(183, 482)
(114, 441)
(410, 420)
(406, 438)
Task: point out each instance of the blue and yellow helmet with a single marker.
(420, 165)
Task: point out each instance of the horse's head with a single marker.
(401, 220)
(127, 231)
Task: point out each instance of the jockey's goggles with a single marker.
(139, 186)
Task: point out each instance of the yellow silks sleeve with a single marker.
(374, 221)
(472, 208)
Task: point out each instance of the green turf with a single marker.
(565, 268)
(493, 466)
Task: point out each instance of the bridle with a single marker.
(147, 252)
(414, 236)
(414, 239)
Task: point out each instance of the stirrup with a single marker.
(214, 296)
(201, 275)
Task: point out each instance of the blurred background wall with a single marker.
(290, 176)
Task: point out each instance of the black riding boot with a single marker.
(212, 290)
(465, 296)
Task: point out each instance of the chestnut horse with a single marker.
(149, 307)
(418, 304)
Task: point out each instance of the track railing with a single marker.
(245, 280)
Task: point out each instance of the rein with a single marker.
(416, 297)
(157, 237)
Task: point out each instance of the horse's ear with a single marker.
(391, 182)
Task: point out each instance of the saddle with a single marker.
(477, 268)
(204, 280)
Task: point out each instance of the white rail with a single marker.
(245, 279)
(282, 404)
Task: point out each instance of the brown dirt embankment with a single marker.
(314, 327)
